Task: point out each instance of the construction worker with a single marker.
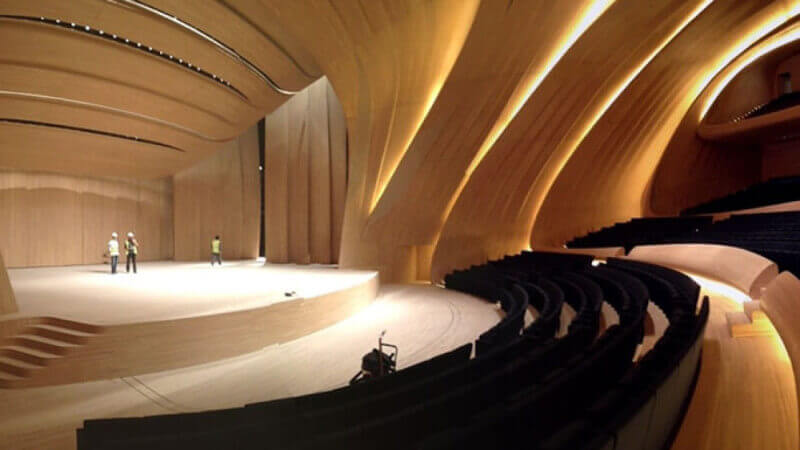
(113, 252)
(131, 250)
(216, 249)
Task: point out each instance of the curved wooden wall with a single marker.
(514, 177)
(475, 128)
(747, 271)
(387, 61)
(51, 220)
(220, 196)
(693, 170)
(305, 177)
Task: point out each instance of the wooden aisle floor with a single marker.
(422, 320)
(745, 395)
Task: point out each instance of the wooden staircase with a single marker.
(38, 345)
(751, 322)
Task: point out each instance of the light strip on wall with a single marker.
(720, 83)
(559, 158)
(457, 39)
(534, 80)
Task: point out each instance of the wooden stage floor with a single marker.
(167, 290)
(422, 320)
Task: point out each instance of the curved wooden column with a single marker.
(493, 214)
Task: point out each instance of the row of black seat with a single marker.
(669, 370)
(520, 389)
(776, 236)
(771, 192)
(640, 231)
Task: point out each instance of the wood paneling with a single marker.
(494, 214)
(496, 69)
(780, 160)
(693, 170)
(54, 74)
(8, 303)
(219, 196)
(606, 178)
(747, 271)
(52, 220)
(306, 177)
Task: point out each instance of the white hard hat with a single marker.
(114, 234)
(130, 234)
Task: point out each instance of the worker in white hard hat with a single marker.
(113, 252)
(131, 250)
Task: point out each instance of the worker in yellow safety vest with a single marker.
(131, 251)
(216, 249)
(113, 252)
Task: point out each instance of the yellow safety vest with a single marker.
(131, 248)
(215, 246)
(113, 247)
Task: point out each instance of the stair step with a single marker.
(72, 325)
(741, 326)
(17, 367)
(9, 380)
(27, 354)
(42, 343)
(60, 334)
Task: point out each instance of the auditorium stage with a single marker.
(168, 290)
(93, 325)
(423, 321)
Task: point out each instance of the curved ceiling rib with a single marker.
(90, 131)
(198, 32)
(81, 28)
(108, 109)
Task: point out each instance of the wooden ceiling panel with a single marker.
(138, 25)
(80, 153)
(21, 80)
(81, 116)
(60, 49)
(511, 180)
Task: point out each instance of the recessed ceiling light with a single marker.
(150, 48)
(58, 20)
(114, 36)
(72, 24)
(101, 32)
(127, 41)
(87, 28)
